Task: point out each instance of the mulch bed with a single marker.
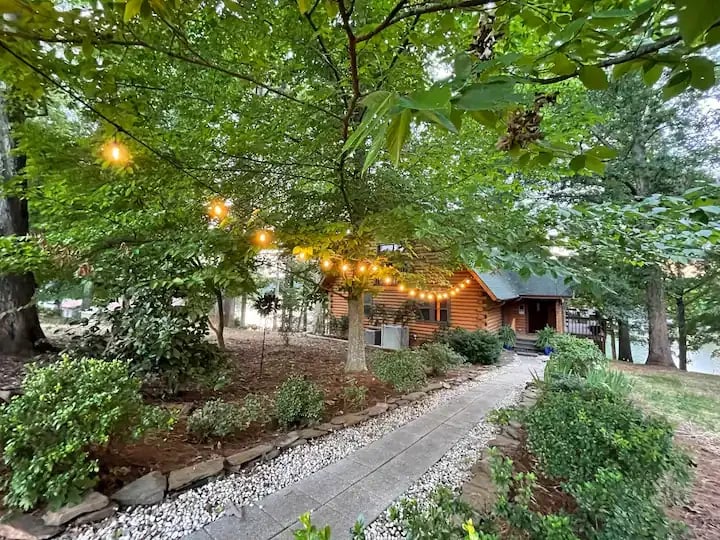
(317, 359)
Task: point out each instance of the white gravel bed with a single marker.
(191, 510)
(451, 471)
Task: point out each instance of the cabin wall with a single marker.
(471, 308)
(515, 315)
(560, 316)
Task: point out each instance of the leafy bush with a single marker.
(218, 419)
(574, 434)
(506, 335)
(479, 346)
(439, 357)
(298, 400)
(157, 338)
(403, 369)
(66, 410)
(338, 326)
(575, 356)
(354, 395)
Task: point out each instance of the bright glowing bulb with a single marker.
(387, 280)
(444, 295)
(412, 292)
(467, 281)
(401, 287)
(462, 285)
(431, 296)
(374, 268)
(218, 209)
(327, 264)
(115, 152)
(262, 237)
(453, 293)
(362, 268)
(422, 295)
(301, 256)
(345, 267)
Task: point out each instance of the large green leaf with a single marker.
(436, 97)
(703, 72)
(397, 134)
(487, 96)
(677, 84)
(132, 8)
(304, 5)
(695, 17)
(593, 77)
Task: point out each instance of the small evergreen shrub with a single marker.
(258, 408)
(218, 419)
(402, 369)
(478, 346)
(354, 395)
(298, 400)
(439, 357)
(577, 356)
(507, 336)
(66, 410)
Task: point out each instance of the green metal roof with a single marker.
(506, 285)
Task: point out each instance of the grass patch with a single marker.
(681, 397)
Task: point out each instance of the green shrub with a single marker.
(158, 339)
(575, 356)
(298, 400)
(402, 369)
(574, 434)
(218, 419)
(354, 395)
(479, 346)
(439, 357)
(545, 337)
(66, 410)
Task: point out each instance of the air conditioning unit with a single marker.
(395, 336)
(373, 336)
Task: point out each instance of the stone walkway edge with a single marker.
(367, 481)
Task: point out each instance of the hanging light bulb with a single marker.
(430, 296)
(218, 209)
(362, 268)
(345, 267)
(327, 264)
(412, 292)
(462, 285)
(422, 295)
(301, 256)
(467, 281)
(453, 292)
(374, 268)
(387, 280)
(262, 238)
(401, 287)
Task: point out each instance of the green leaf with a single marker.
(562, 65)
(695, 17)
(652, 72)
(602, 152)
(331, 8)
(703, 72)
(397, 134)
(713, 37)
(593, 77)
(594, 164)
(626, 67)
(577, 163)
(439, 118)
(304, 5)
(462, 66)
(487, 96)
(485, 118)
(677, 84)
(132, 8)
(436, 97)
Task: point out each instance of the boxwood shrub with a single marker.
(478, 346)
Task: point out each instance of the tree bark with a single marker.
(624, 345)
(243, 309)
(20, 331)
(659, 353)
(682, 330)
(356, 335)
(613, 349)
(220, 328)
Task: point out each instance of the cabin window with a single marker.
(437, 311)
(367, 303)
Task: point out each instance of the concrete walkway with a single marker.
(367, 481)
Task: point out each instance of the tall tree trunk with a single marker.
(659, 353)
(682, 330)
(20, 331)
(220, 328)
(356, 335)
(613, 349)
(229, 311)
(624, 345)
(243, 309)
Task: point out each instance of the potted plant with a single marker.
(507, 335)
(544, 339)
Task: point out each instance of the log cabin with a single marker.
(484, 300)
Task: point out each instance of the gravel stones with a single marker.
(189, 475)
(27, 527)
(186, 512)
(91, 502)
(148, 489)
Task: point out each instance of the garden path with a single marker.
(367, 481)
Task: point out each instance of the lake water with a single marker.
(700, 361)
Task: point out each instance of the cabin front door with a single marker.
(541, 313)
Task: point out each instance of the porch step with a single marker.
(532, 354)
